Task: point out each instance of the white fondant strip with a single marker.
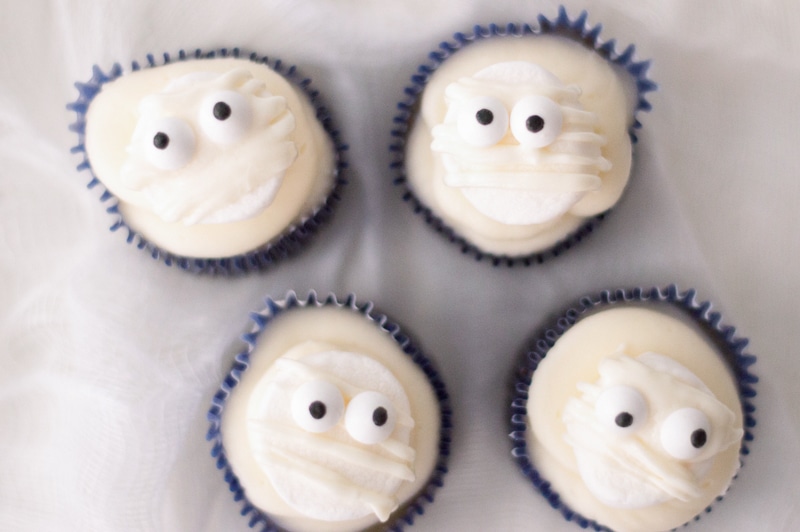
(333, 484)
(588, 137)
(399, 449)
(511, 154)
(579, 117)
(543, 181)
(246, 207)
(467, 88)
(292, 437)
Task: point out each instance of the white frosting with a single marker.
(652, 459)
(553, 168)
(329, 479)
(516, 189)
(222, 185)
(235, 166)
(332, 475)
(627, 478)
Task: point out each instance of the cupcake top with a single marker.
(634, 418)
(211, 157)
(520, 140)
(332, 426)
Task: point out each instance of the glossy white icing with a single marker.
(330, 480)
(652, 365)
(556, 152)
(222, 186)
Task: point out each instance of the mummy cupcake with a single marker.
(216, 161)
(633, 413)
(330, 420)
(514, 142)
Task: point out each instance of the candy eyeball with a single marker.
(622, 409)
(370, 418)
(685, 432)
(225, 116)
(170, 143)
(536, 121)
(317, 406)
(482, 121)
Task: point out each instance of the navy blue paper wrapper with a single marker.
(576, 29)
(283, 245)
(671, 298)
(409, 510)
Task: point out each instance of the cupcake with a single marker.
(218, 162)
(633, 413)
(331, 419)
(513, 142)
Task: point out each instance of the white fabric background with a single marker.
(108, 359)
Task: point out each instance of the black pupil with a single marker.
(623, 420)
(699, 438)
(534, 123)
(484, 117)
(222, 111)
(161, 140)
(379, 416)
(317, 409)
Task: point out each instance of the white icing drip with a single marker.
(222, 183)
(633, 470)
(539, 182)
(558, 174)
(289, 436)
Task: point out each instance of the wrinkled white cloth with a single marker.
(109, 359)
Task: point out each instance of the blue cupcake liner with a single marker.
(723, 336)
(576, 29)
(409, 510)
(290, 241)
